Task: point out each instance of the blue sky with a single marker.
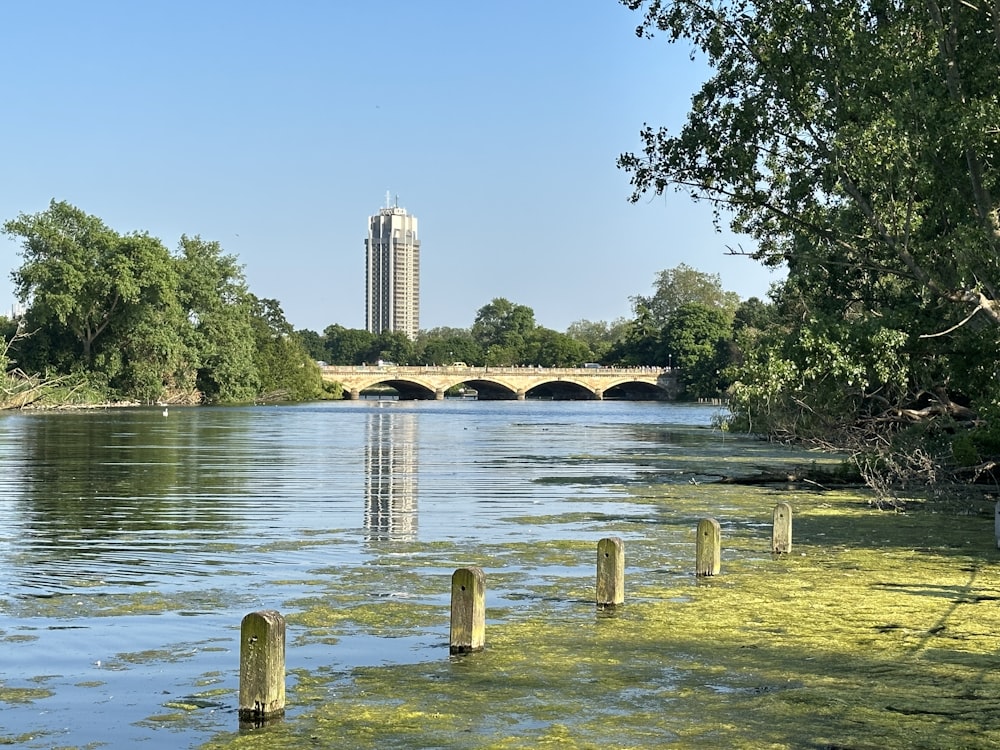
(277, 129)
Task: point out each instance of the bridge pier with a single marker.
(439, 394)
(598, 394)
(355, 394)
(520, 395)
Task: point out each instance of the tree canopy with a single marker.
(682, 285)
(857, 144)
(138, 323)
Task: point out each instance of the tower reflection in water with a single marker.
(391, 476)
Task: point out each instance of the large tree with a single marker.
(285, 369)
(857, 143)
(100, 302)
(683, 285)
(82, 275)
(696, 338)
(220, 312)
(501, 328)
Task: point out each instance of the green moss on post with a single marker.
(708, 550)
(468, 610)
(781, 529)
(610, 572)
(262, 666)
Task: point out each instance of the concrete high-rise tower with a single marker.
(392, 294)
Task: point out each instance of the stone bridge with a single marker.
(509, 383)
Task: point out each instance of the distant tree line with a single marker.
(689, 322)
(118, 317)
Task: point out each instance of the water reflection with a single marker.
(391, 459)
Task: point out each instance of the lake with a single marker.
(131, 544)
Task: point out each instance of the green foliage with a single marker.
(639, 342)
(442, 346)
(313, 343)
(347, 346)
(696, 336)
(501, 328)
(119, 315)
(391, 346)
(855, 143)
(100, 301)
(683, 285)
(220, 310)
(553, 349)
(599, 336)
(287, 372)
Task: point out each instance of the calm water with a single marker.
(131, 544)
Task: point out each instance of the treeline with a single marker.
(118, 317)
(688, 322)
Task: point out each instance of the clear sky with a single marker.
(278, 128)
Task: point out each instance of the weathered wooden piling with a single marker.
(262, 666)
(708, 549)
(781, 529)
(468, 610)
(610, 572)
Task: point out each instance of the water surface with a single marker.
(132, 544)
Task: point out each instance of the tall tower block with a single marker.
(392, 250)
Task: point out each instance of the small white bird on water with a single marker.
(166, 413)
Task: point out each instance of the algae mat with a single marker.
(879, 630)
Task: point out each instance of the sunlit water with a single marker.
(131, 544)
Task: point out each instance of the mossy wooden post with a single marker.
(781, 529)
(708, 550)
(468, 610)
(262, 666)
(610, 572)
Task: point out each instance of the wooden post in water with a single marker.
(708, 550)
(468, 610)
(996, 523)
(781, 529)
(610, 572)
(262, 666)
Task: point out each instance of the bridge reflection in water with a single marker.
(510, 383)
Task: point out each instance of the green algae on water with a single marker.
(879, 630)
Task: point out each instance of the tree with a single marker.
(391, 346)
(641, 342)
(682, 285)
(285, 369)
(553, 349)
(442, 346)
(313, 343)
(347, 346)
(219, 309)
(501, 328)
(81, 274)
(103, 303)
(599, 336)
(855, 143)
(695, 338)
